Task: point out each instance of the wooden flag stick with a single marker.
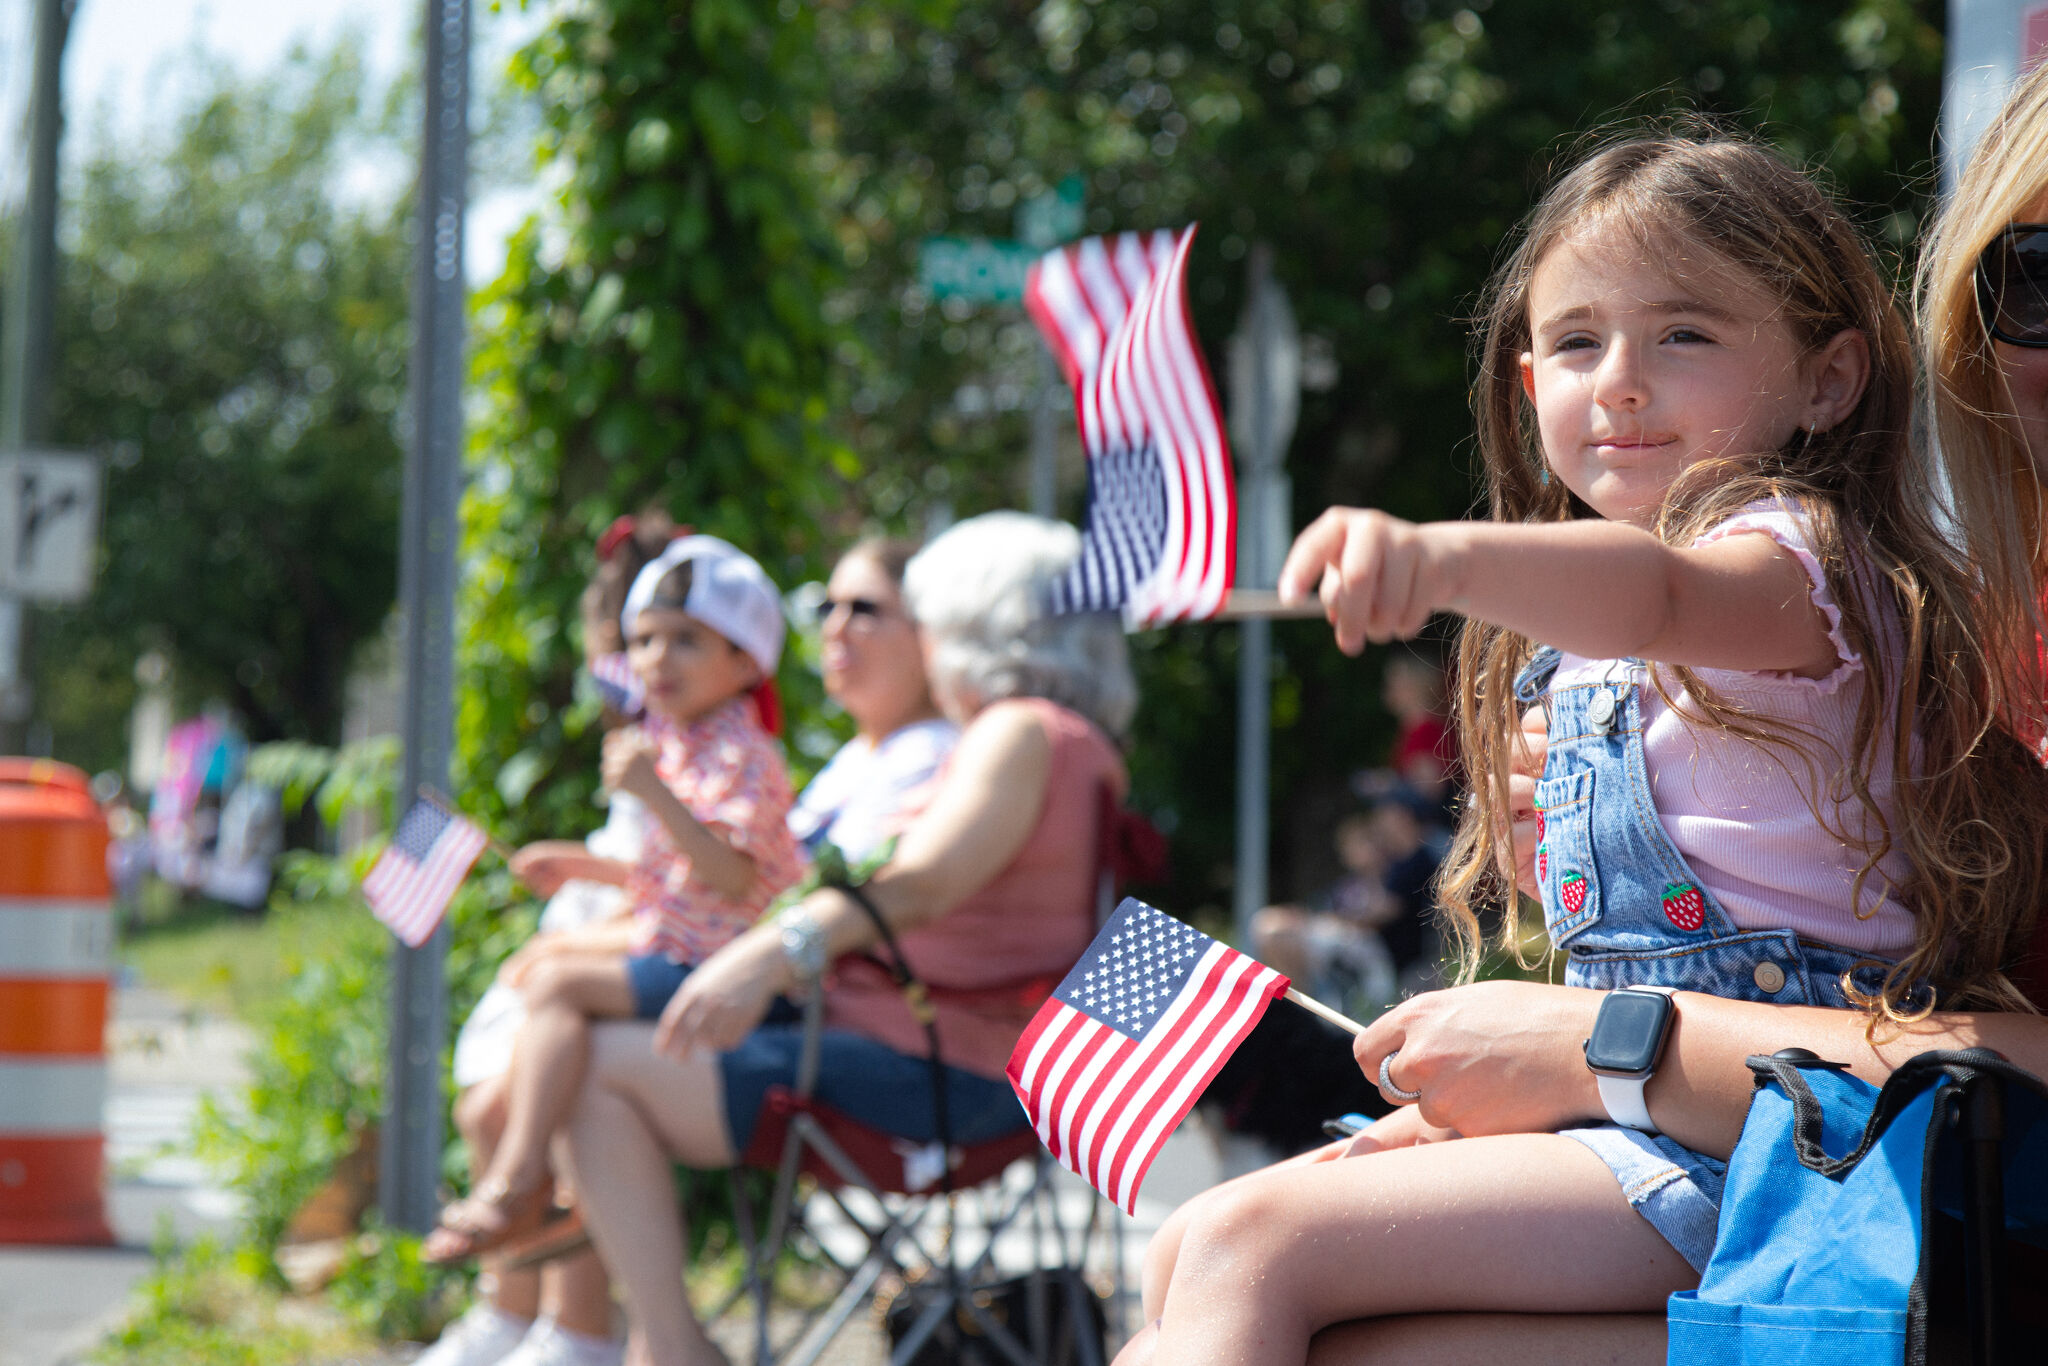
(496, 845)
(1246, 603)
(1323, 1012)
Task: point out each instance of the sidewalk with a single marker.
(56, 1302)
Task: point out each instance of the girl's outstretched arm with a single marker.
(1598, 589)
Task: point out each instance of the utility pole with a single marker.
(411, 1138)
(1265, 400)
(25, 331)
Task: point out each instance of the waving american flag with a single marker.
(1160, 537)
(1122, 1049)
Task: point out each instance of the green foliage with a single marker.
(198, 1308)
(386, 1289)
(659, 338)
(232, 340)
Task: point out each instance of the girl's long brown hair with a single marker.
(1969, 805)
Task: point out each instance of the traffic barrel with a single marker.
(56, 954)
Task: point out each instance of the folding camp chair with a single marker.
(1018, 1264)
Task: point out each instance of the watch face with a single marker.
(1628, 1033)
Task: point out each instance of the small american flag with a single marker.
(1159, 540)
(617, 685)
(1123, 1048)
(417, 874)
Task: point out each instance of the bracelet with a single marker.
(803, 943)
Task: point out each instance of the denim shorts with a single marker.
(868, 1081)
(1675, 1188)
(653, 978)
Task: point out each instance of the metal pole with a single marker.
(1045, 447)
(411, 1156)
(30, 319)
(1265, 385)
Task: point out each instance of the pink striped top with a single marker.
(1743, 815)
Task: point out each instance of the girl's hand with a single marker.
(1527, 748)
(1380, 577)
(629, 763)
(725, 998)
(545, 865)
(1491, 1058)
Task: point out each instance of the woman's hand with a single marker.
(726, 997)
(1405, 1128)
(628, 764)
(516, 969)
(1380, 578)
(1527, 748)
(1491, 1058)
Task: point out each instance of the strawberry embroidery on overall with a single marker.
(1573, 891)
(1542, 849)
(1684, 905)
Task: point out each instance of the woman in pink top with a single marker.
(990, 891)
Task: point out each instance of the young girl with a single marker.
(703, 630)
(1693, 410)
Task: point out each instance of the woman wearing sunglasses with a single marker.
(1509, 1057)
(874, 668)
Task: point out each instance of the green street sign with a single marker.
(986, 270)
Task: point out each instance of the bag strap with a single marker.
(1960, 1067)
(927, 1016)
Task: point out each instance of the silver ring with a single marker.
(1387, 1086)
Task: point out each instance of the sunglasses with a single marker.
(859, 609)
(2012, 285)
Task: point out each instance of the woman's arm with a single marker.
(980, 818)
(1505, 1057)
(629, 767)
(1598, 589)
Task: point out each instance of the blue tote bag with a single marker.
(1842, 1236)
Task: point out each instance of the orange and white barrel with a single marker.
(56, 960)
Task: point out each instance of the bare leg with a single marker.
(563, 997)
(1527, 1223)
(576, 1292)
(480, 1117)
(637, 1114)
(1490, 1339)
(1156, 1273)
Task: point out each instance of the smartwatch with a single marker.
(1629, 1035)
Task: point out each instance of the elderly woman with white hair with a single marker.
(991, 883)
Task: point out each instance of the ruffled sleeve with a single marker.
(1788, 529)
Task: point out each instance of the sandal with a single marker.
(560, 1233)
(491, 1216)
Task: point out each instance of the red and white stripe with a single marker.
(1104, 1103)
(410, 896)
(1114, 311)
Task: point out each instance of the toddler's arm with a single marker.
(1598, 589)
(545, 865)
(629, 767)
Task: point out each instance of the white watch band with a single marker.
(1623, 1097)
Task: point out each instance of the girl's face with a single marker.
(1638, 371)
(686, 668)
(2026, 374)
(872, 664)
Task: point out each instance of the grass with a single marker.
(198, 1309)
(236, 962)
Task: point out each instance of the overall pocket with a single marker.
(1564, 854)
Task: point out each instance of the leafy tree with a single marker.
(659, 337)
(232, 339)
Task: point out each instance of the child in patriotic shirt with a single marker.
(704, 630)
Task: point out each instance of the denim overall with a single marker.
(1618, 899)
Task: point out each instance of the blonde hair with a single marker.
(1722, 202)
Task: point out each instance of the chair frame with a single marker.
(915, 1238)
